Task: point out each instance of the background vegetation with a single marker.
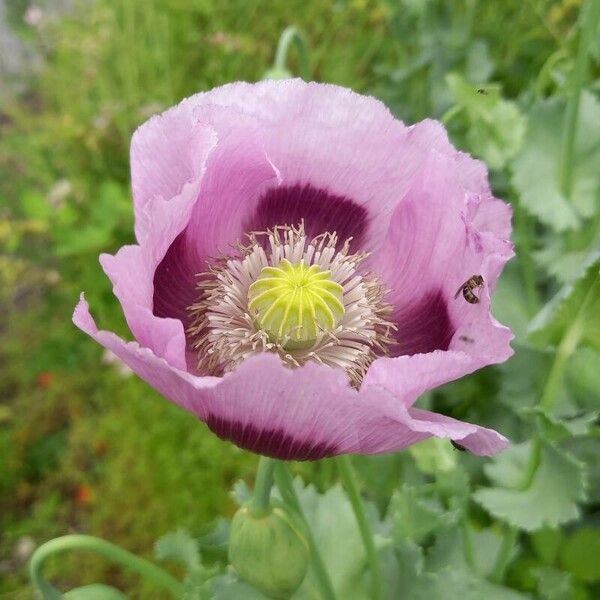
(86, 447)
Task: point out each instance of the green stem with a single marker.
(290, 36)
(261, 499)
(286, 487)
(508, 541)
(109, 551)
(587, 21)
(452, 112)
(348, 477)
(523, 227)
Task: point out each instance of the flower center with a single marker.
(293, 303)
(304, 299)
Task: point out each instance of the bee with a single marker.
(482, 91)
(457, 446)
(466, 338)
(468, 288)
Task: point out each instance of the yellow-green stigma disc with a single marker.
(292, 303)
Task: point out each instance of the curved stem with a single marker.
(290, 36)
(109, 551)
(288, 493)
(452, 112)
(261, 499)
(588, 18)
(348, 477)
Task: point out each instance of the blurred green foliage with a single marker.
(85, 447)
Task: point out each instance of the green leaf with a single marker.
(582, 378)
(555, 429)
(240, 492)
(456, 584)
(229, 587)
(179, 546)
(580, 554)
(536, 167)
(496, 127)
(554, 584)
(95, 591)
(546, 543)
(509, 304)
(414, 517)
(338, 538)
(574, 311)
(550, 497)
(508, 469)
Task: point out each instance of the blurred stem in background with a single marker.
(588, 20)
(285, 484)
(348, 477)
(290, 35)
(109, 551)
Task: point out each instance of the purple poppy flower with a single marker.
(294, 282)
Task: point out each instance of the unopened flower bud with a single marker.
(268, 551)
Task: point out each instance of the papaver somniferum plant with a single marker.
(306, 267)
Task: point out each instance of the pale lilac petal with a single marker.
(294, 414)
(132, 270)
(430, 250)
(344, 145)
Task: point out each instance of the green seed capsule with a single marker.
(268, 551)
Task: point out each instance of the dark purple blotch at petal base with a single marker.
(275, 443)
(320, 210)
(175, 282)
(424, 326)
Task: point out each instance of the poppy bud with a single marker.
(268, 551)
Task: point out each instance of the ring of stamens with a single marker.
(299, 297)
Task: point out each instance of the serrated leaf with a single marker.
(508, 469)
(550, 498)
(580, 554)
(414, 517)
(574, 311)
(558, 428)
(179, 546)
(240, 492)
(496, 126)
(445, 572)
(455, 584)
(536, 168)
(229, 587)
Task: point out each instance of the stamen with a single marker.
(301, 298)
